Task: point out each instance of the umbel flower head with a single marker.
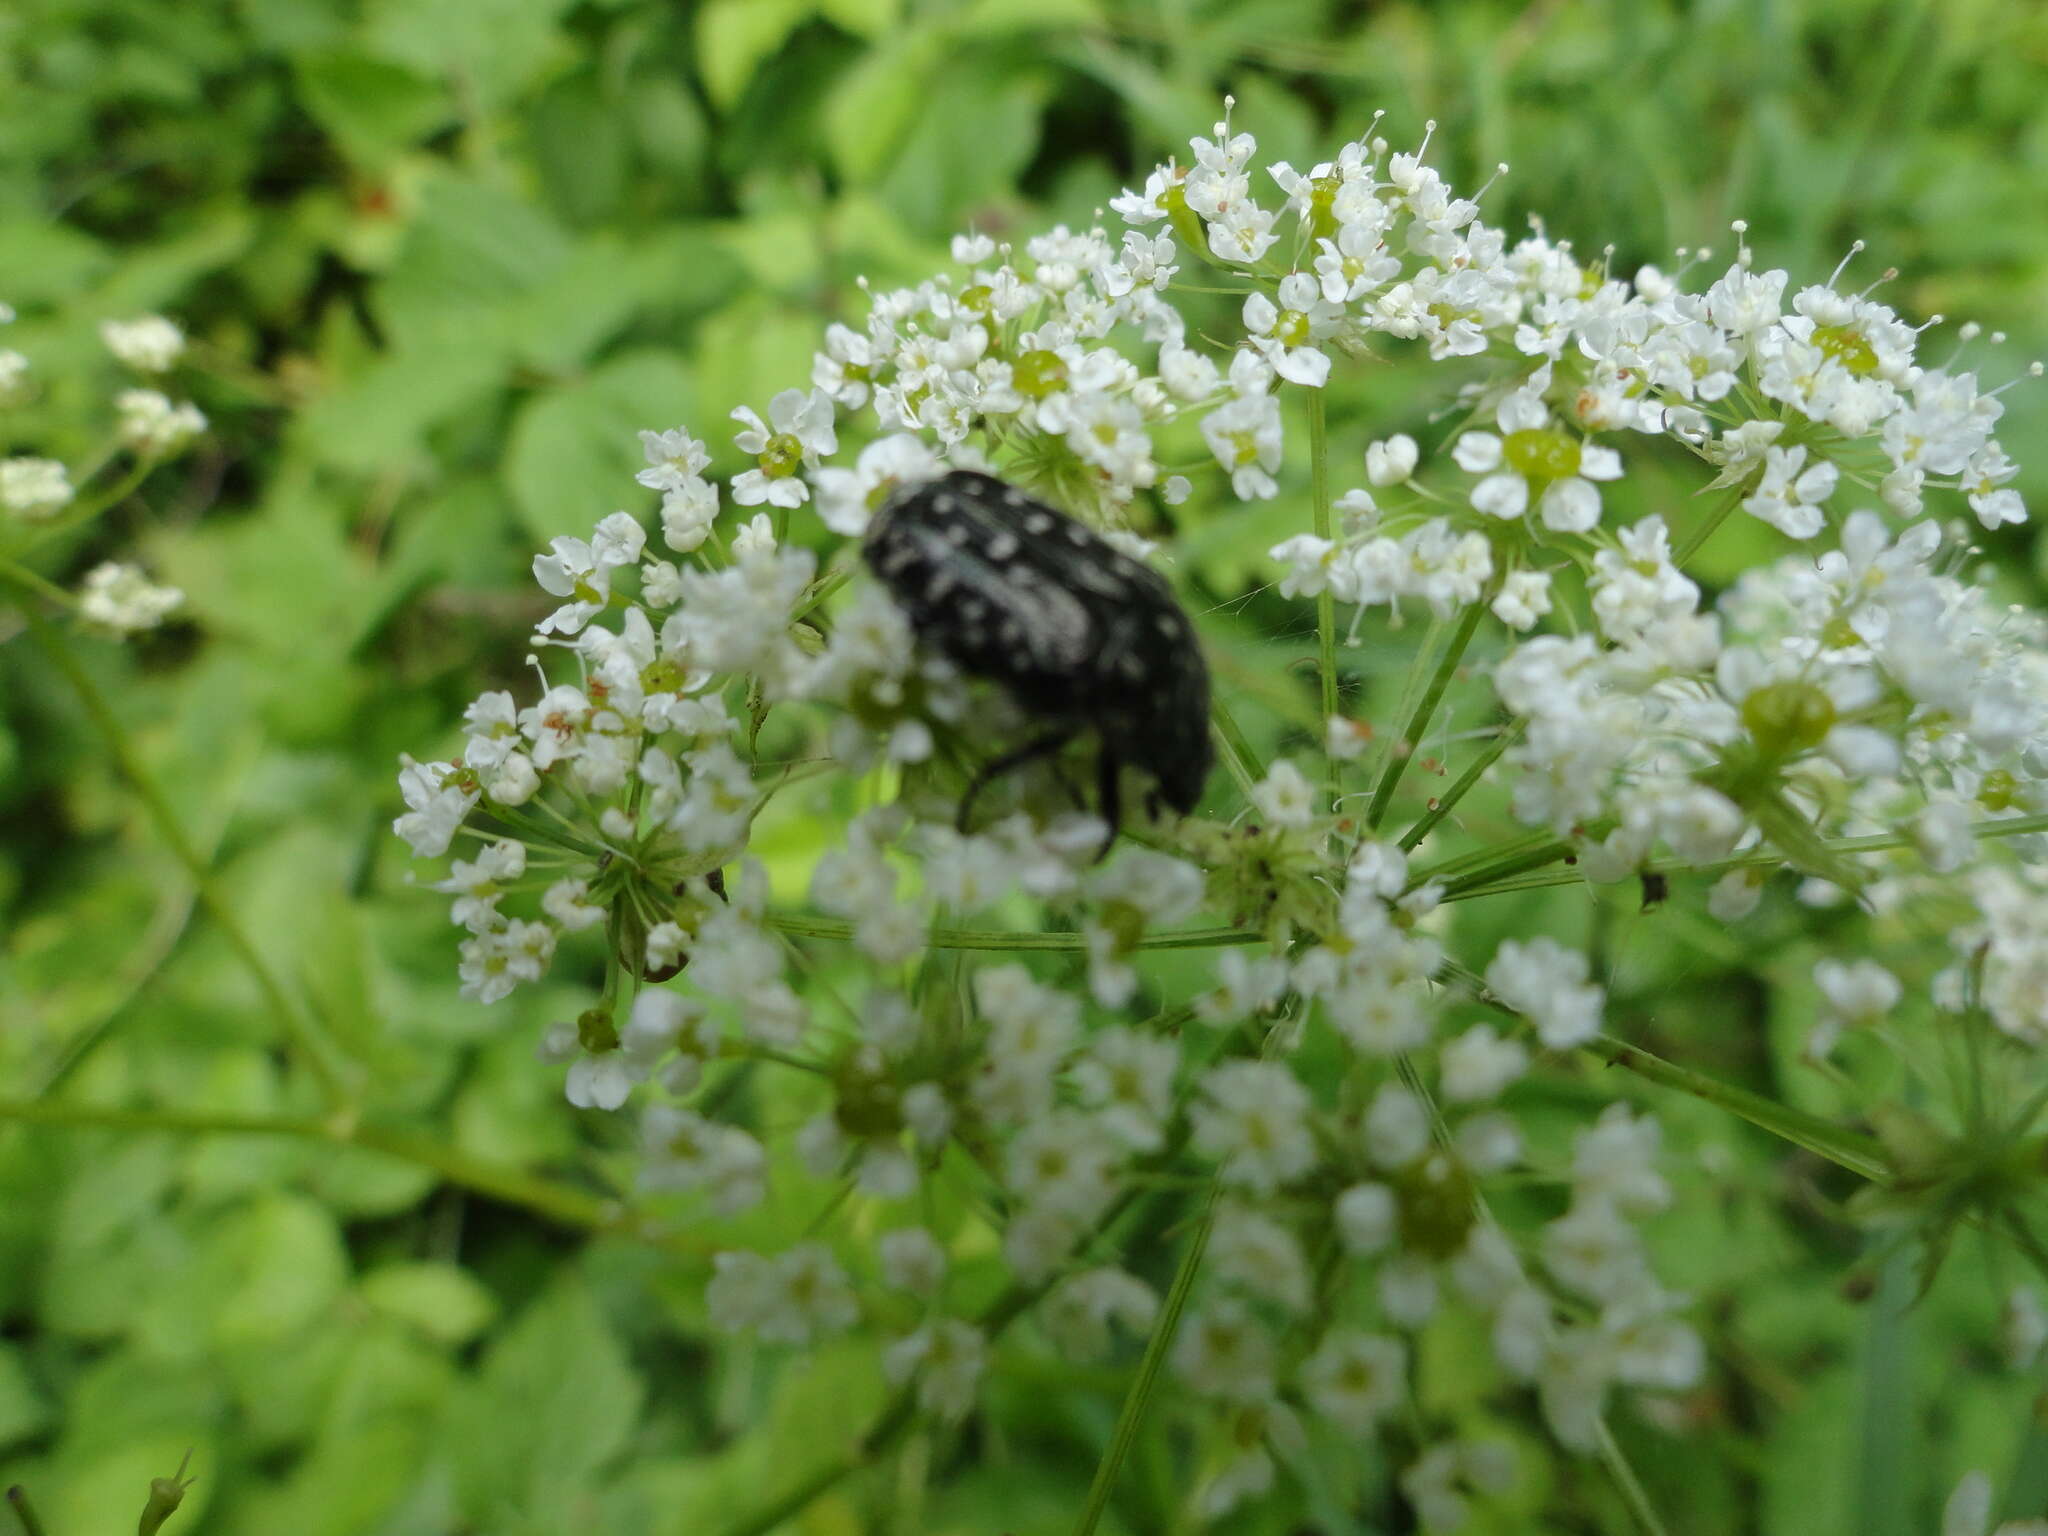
(979, 1061)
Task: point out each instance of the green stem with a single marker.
(894, 1420)
(1882, 1475)
(1848, 1149)
(804, 926)
(1326, 602)
(311, 1044)
(1505, 738)
(30, 581)
(1403, 750)
(17, 1500)
(84, 509)
(1132, 1414)
(559, 1203)
(2026, 1491)
(1239, 756)
(900, 1412)
(1707, 529)
(1500, 869)
(1633, 1494)
(1516, 872)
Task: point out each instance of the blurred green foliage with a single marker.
(440, 260)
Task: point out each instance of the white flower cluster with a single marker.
(1350, 1093)
(39, 498)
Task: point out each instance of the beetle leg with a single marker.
(995, 768)
(1108, 773)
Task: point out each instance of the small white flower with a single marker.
(1309, 561)
(948, 1359)
(1790, 494)
(1245, 436)
(1855, 994)
(1285, 797)
(1391, 461)
(912, 1261)
(1356, 1379)
(674, 459)
(798, 433)
(794, 1298)
(1224, 1351)
(1479, 1064)
(1548, 982)
(1253, 1119)
(148, 344)
(153, 426)
(1535, 460)
(1286, 333)
(120, 597)
(1367, 1215)
(34, 488)
(1523, 599)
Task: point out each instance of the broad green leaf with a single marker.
(863, 18)
(734, 36)
(573, 454)
(291, 26)
(873, 105)
(555, 1401)
(994, 17)
(443, 1301)
(471, 246)
(379, 419)
(343, 1486)
(371, 107)
(276, 1265)
(670, 132)
(978, 130)
(582, 144)
(494, 47)
(106, 1492)
(24, 1408)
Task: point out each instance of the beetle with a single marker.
(1083, 637)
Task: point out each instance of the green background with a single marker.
(439, 262)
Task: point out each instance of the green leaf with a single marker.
(443, 1301)
(275, 1265)
(863, 18)
(494, 47)
(872, 107)
(994, 17)
(978, 130)
(582, 145)
(472, 246)
(23, 1408)
(107, 1492)
(554, 1402)
(371, 107)
(735, 36)
(572, 453)
(345, 1485)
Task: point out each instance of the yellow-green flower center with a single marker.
(1322, 199)
(781, 458)
(1788, 717)
(1434, 1201)
(1291, 329)
(2000, 791)
(1542, 453)
(595, 1031)
(1847, 346)
(1038, 374)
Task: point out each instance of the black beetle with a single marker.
(1084, 637)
